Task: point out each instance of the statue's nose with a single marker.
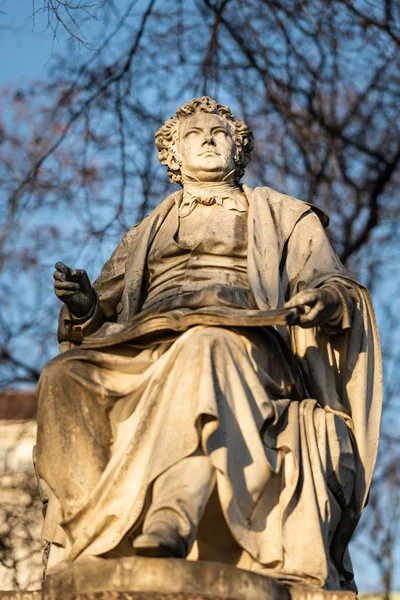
(209, 139)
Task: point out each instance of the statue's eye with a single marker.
(192, 133)
(220, 132)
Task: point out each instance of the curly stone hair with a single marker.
(167, 137)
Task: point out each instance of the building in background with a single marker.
(18, 410)
(20, 504)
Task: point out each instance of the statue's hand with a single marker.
(315, 306)
(74, 288)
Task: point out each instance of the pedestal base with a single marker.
(139, 578)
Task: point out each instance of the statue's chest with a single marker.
(208, 230)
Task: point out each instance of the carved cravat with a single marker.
(224, 193)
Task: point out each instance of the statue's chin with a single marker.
(210, 171)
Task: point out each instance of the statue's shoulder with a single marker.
(284, 206)
(152, 218)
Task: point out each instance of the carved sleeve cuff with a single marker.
(77, 328)
(342, 318)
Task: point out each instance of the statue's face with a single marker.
(206, 147)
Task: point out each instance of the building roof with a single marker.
(18, 405)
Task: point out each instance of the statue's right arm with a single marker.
(107, 289)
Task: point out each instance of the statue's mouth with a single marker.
(212, 152)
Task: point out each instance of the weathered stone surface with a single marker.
(302, 592)
(273, 452)
(144, 596)
(158, 579)
(139, 578)
(20, 595)
(297, 594)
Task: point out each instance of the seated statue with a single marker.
(218, 391)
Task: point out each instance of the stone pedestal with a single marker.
(21, 596)
(139, 578)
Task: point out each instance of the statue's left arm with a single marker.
(315, 279)
(343, 371)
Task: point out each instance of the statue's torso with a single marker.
(200, 260)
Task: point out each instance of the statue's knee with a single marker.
(211, 337)
(56, 370)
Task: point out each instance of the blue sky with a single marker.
(25, 47)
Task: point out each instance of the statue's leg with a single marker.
(210, 386)
(221, 375)
(74, 432)
(179, 498)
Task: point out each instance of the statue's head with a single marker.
(204, 142)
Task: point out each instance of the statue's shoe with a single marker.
(164, 542)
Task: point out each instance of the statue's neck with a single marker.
(227, 184)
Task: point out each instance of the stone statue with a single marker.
(218, 391)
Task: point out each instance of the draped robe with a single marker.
(301, 518)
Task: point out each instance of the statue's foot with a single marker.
(161, 541)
